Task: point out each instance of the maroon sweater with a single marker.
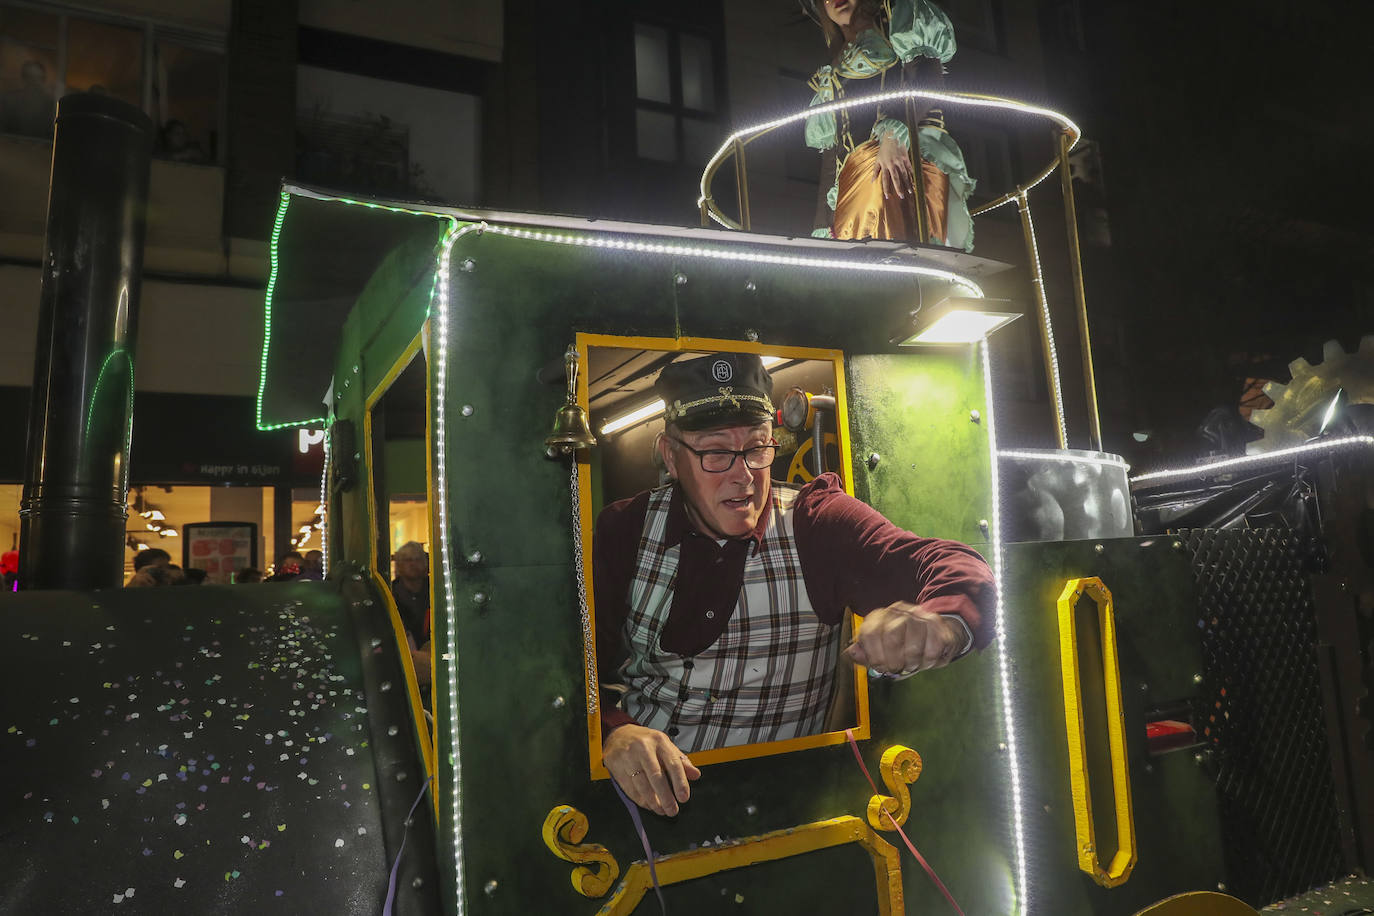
(851, 557)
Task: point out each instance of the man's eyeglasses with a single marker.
(720, 460)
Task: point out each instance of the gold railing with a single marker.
(1066, 136)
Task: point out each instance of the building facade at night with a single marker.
(598, 109)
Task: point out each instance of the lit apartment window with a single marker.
(675, 89)
(175, 75)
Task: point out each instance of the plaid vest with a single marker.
(770, 675)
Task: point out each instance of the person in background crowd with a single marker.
(178, 146)
(194, 576)
(9, 572)
(149, 568)
(411, 590)
(288, 567)
(29, 109)
(312, 566)
(249, 575)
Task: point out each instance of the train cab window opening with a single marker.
(398, 475)
(627, 419)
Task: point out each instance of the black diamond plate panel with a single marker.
(1269, 752)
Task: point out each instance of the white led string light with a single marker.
(951, 98)
(1203, 470)
(752, 257)
(441, 481)
(324, 506)
(621, 243)
(1000, 634)
(1107, 462)
(1023, 200)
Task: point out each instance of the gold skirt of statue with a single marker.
(861, 212)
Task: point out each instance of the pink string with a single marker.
(854, 745)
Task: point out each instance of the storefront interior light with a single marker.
(654, 408)
(956, 320)
(167, 532)
(153, 514)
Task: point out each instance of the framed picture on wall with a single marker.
(219, 548)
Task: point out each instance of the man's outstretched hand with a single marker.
(904, 638)
(649, 767)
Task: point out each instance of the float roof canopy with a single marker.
(329, 247)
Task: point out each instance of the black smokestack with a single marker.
(76, 477)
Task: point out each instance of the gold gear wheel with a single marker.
(1299, 406)
(797, 471)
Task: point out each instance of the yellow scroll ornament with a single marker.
(899, 768)
(564, 830)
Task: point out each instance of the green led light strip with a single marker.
(274, 253)
(267, 320)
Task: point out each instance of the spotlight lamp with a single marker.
(954, 321)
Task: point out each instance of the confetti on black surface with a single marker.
(215, 739)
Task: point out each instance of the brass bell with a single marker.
(571, 429)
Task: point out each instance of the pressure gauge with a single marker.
(796, 410)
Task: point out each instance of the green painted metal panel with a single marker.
(516, 307)
(1175, 806)
(933, 474)
(516, 310)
